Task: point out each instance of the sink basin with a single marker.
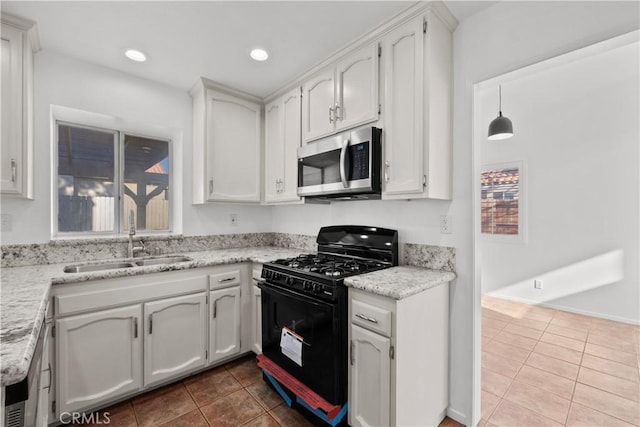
(163, 260)
(97, 267)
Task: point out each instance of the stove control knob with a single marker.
(317, 288)
(289, 281)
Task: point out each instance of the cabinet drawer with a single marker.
(371, 317)
(225, 279)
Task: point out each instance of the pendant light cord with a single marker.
(500, 99)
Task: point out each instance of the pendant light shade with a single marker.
(501, 127)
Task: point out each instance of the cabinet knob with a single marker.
(337, 112)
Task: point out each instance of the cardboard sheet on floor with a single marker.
(303, 392)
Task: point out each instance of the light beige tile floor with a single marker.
(545, 367)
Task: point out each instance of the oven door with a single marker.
(347, 163)
(323, 366)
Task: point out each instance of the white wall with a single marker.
(63, 81)
(505, 37)
(577, 129)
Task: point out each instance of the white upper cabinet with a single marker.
(19, 43)
(318, 95)
(357, 88)
(227, 145)
(403, 121)
(418, 107)
(282, 140)
(341, 96)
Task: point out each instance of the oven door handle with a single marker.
(343, 157)
(289, 293)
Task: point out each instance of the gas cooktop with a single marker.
(333, 266)
(343, 251)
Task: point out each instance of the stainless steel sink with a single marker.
(97, 267)
(163, 260)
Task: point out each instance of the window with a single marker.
(501, 200)
(104, 174)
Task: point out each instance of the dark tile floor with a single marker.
(230, 395)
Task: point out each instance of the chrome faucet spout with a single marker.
(132, 250)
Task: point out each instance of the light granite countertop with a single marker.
(399, 282)
(25, 293)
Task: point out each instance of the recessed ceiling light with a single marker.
(135, 55)
(259, 54)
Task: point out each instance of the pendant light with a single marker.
(501, 127)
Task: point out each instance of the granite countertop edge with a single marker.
(26, 290)
(400, 282)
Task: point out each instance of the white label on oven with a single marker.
(291, 345)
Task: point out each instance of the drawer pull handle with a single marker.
(14, 170)
(150, 323)
(367, 318)
(135, 327)
(215, 309)
(228, 279)
(351, 355)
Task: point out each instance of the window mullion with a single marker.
(119, 173)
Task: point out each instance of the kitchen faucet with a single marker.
(132, 250)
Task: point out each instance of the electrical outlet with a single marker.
(446, 224)
(538, 284)
(233, 219)
(6, 222)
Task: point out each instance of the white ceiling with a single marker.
(185, 40)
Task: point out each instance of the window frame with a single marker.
(521, 237)
(119, 133)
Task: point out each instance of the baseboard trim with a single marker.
(564, 308)
(456, 415)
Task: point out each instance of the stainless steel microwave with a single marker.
(344, 166)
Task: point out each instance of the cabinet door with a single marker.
(98, 357)
(370, 378)
(11, 94)
(256, 328)
(175, 337)
(233, 149)
(274, 150)
(46, 376)
(403, 118)
(318, 102)
(224, 329)
(357, 88)
(291, 142)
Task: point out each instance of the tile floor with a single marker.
(545, 367)
(230, 395)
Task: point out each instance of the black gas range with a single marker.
(306, 296)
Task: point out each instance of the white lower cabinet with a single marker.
(369, 400)
(115, 338)
(99, 357)
(224, 329)
(399, 352)
(175, 337)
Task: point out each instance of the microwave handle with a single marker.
(343, 155)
